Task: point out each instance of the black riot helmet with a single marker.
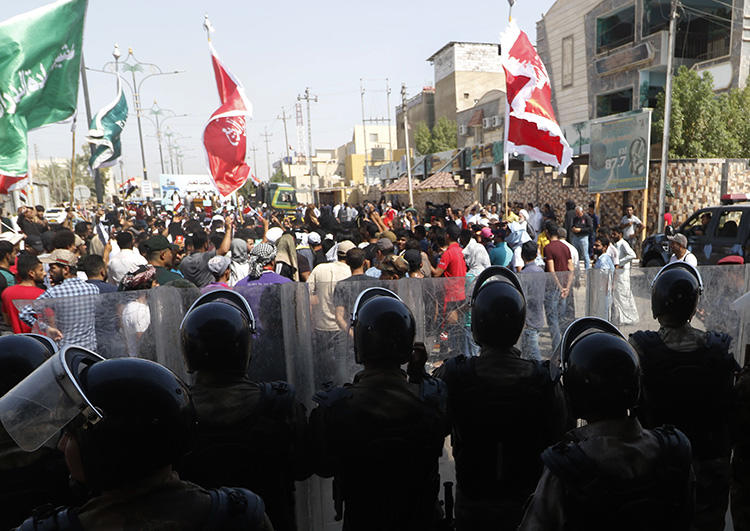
(675, 292)
(48, 343)
(148, 421)
(498, 308)
(601, 374)
(384, 327)
(20, 355)
(216, 333)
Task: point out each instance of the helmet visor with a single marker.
(48, 399)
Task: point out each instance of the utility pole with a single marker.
(268, 135)
(388, 106)
(406, 141)
(308, 98)
(667, 117)
(255, 158)
(364, 129)
(284, 118)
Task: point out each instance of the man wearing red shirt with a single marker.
(30, 272)
(557, 260)
(389, 215)
(452, 264)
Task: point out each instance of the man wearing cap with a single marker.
(383, 249)
(73, 320)
(678, 245)
(219, 267)
(161, 256)
(327, 336)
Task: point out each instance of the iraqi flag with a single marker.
(225, 136)
(531, 128)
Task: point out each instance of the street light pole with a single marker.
(667, 118)
(133, 65)
(406, 141)
(308, 98)
(157, 111)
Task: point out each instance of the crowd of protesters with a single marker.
(136, 246)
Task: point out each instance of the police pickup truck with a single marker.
(712, 233)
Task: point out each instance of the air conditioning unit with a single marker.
(497, 120)
(486, 123)
(462, 130)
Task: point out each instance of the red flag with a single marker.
(8, 183)
(530, 124)
(225, 136)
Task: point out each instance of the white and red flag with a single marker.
(225, 135)
(530, 125)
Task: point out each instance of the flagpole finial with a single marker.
(116, 52)
(207, 26)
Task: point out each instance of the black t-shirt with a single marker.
(345, 294)
(319, 257)
(302, 263)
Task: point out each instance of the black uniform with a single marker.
(380, 438)
(741, 455)
(688, 379)
(249, 435)
(503, 411)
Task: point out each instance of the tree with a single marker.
(703, 124)
(57, 176)
(443, 137)
(423, 138)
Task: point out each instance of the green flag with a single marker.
(40, 60)
(105, 129)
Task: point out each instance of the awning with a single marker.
(476, 118)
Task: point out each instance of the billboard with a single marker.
(185, 184)
(619, 155)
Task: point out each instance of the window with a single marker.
(615, 30)
(614, 102)
(703, 27)
(729, 224)
(567, 61)
(373, 137)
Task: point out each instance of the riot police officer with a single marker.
(688, 378)
(125, 422)
(27, 480)
(381, 436)
(611, 473)
(503, 409)
(249, 434)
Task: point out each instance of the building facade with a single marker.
(464, 72)
(484, 122)
(609, 56)
(419, 109)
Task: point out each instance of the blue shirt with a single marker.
(604, 262)
(500, 254)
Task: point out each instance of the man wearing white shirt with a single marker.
(126, 260)
(624, 310)
(678, 244)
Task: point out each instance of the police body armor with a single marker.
(387, 476)
(690, 390)
(232, 509)
(500, 426)
(251, 453)
(596, 500)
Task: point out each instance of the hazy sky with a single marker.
(276, 49)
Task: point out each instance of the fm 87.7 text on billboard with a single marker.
(619, 155)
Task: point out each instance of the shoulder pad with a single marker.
(235, 509)
(674, 445)
(645, 337)
(718, 343)
(456, 368)
(567, 461)
(331, 396)
(277, 398)
(47, 518)
(434, 391)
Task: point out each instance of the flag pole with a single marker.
(73, 161)
(507, 124)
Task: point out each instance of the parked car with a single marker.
(55, 214)
(712, 233)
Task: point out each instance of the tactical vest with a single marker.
(232, 509)
(255, 453)
(595, 500)
(690, 390)
(388, 477)
(499, 428)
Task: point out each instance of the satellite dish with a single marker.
(81, 192)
